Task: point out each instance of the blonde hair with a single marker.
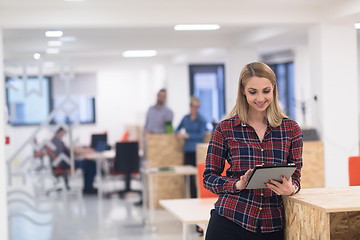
(274, 114)
(194, 99)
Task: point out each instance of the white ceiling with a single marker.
(105, 28)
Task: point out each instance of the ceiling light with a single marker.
(139, 53)
(54, 43)
(191, 27)
(357, 25)
(36, 56)
(54, 33)
(52, 51)
(74, 0)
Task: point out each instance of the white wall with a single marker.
(303, 88)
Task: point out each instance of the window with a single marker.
(285, 79)
(207, 82)
(28, 100)
(74, 109)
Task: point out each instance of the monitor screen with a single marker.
(99, 142)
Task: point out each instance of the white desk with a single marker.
(100, 158)
(190, 211)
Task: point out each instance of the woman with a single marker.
(192, 129)
(257, 132)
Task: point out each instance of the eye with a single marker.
(266, 91)
(252, 92)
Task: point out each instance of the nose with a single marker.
(260, 97)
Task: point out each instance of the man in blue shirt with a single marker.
(192, 129)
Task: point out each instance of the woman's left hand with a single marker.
(285, 188)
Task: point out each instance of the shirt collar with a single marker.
(238, 122)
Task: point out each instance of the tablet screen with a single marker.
(262, 173)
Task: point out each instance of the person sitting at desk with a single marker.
(88, 166)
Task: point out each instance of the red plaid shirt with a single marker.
(236, 142)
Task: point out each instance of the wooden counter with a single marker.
(323, 213)
(165, 150)
(312, 172)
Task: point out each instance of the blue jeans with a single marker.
(89, 172)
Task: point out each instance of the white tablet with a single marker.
(262, 173)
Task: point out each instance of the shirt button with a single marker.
(260, 208)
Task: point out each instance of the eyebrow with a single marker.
(254, 89)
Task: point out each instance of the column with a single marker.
(3, 168)
(333, 66)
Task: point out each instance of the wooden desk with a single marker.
(323, 213)
(190, 211)
(152, 174)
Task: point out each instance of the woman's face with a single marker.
(259, 93)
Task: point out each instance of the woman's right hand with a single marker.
(240, 185)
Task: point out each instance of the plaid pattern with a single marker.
(236, 142)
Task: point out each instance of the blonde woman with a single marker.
(256, 132)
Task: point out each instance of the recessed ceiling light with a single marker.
(54, 43)
(37, 56)
(357, 25)
(54, 33)
(192, 27)
(139, 53)
(52, 50)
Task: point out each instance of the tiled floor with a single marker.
(71, 216)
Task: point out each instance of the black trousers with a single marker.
(222, 228)
(190, 159)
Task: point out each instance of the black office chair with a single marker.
(127, 162)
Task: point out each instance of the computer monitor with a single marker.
(99, 142)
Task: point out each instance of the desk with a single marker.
(190, 211)
(151, 175)
(323, 213)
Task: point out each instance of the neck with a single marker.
(158, 105)
(193, 115)
(256, 117)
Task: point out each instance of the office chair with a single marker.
(202, 191)
(127, 162)
(354, 171)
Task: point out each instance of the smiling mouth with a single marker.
(260, 104)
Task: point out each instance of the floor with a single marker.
(36, 213)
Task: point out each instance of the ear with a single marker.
(242, 91)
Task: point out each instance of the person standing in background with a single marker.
(158, 115)
(192, 129)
